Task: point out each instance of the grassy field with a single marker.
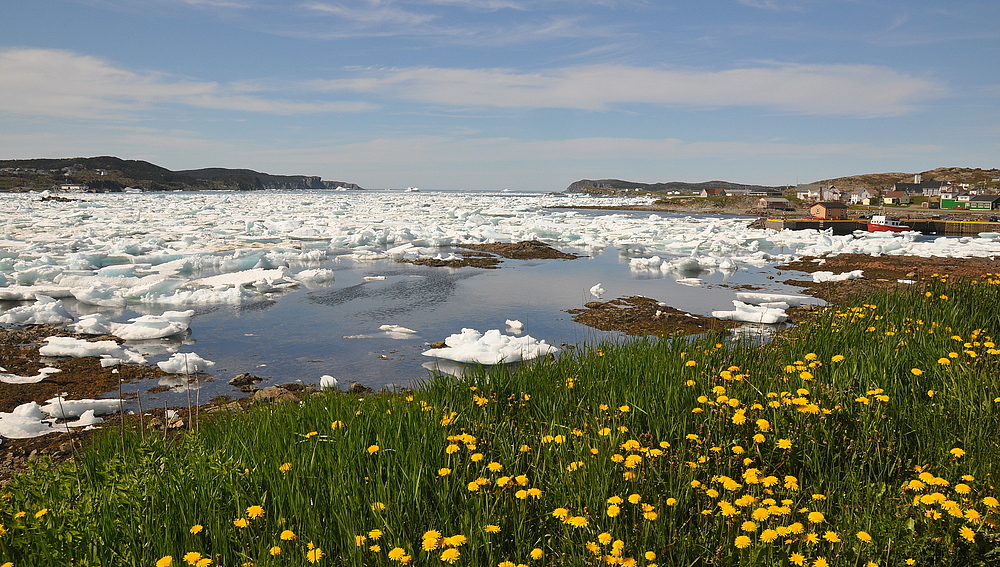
(867, 436)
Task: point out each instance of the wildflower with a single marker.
(916, 371)
(748, 526)
(491, 528)
(337, 425)
(742, 542)
(768, 535)
(910, 561)
(521, 494)
(192, 557)
(375, 548)
(254, 512)
(967, 533)
(831, 537)
(650, 515)
(375, 534)
(372, 449)
(285, 467)
(454, 541)
(196, 529)
(837, 358)
(314, 555)
(634, 498)
(864, 536)
(820, 562)
(41, 512)
(476, 457)
(450, 555)
(521, 479)
(396, 553)
(360, 540)
(377, 506)
(288, 535)
(957, 452)
(613, 510)
(535, 492)
(797, 558)
(944, 361)
(577, 521)
(537, 554)
(494, 466)
(444, 471)
(274, 551)
(816, 517)
(650, 556)
(991, 502)
(241, 522)
(311, 434)
(165, 561)
(784, 444)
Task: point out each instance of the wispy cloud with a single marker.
(852, 90)
(56, 83)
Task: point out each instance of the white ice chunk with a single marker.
(29, 292)
(77, 348)
(87, 418)
(61, 408)
(44, 311)
(94, 324)
(24, 422)
(42, 374)
(490, 348)
(754, 298)
(246, 277)
(397, 330)
(597, 291)
(820, 277)
(149, 327)
(185, 363)
(327, 382)
(315, 276)
(693, 282)
(752, 314)
(101, 295)
(515, 326)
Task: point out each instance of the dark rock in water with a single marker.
(438, 344)
(356, 388)
(245, 379)
(273, 394)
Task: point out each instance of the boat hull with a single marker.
(872, 227)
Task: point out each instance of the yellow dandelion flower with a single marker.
(537, 554)
(372, 449)
(797, 558)
(241, 522)
(275, 550)
(396, 553)
(491, 528)
(820, 562)
(375, 534)
(577, 521)
(314, 555)
(41, 512)
(742, 542)
(254, 512)
(784, 443)
(916, 371)
(831, 537)
(816, 517)
(165, 561)
(360, 540)
(196, 529)
(957, 452)
(613, 510)
(288, 535)
(450, 555)
(191, 557)
(864, 536)
(967, 533)
(991, 502)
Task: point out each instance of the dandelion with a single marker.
(491, 528)
(288, 535)
(613, 510)
(372, 449)
(494, 467)
(196, 529)
(450, 555)
(831, 537)
(535, 492)
(275, 551)
(742, 542)
(192, 557)
(314, 555)
(377, 506)
(311, 434)
(521, 494)
(537, 554)
(967, 533)
(396, 553)
(650, 556)
(254, 512)
(837, 358)
(797, 558)
(820, 562)
(375, 534)
(241, 523)
(285, 467)
(444, 471)
(957, 452)
(41, 512)
(816, 517)
(784, 444)
(864, 536)
(944, 361)
(577, 521)
(454, 541)
(991, 502)
(165, 561)
(916, 371)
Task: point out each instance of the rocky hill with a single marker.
(618, 186)
(975, 177)
(112, 174)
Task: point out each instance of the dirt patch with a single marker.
(639, 315)
(524, 250)
(881, 272)
(486, 255)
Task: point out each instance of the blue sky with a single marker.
(519, 94)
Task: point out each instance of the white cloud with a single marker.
(852, 90)
(56, 83)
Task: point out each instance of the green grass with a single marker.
(872, 415)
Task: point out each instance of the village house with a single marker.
(863, 196)
(713, 192)
(818, 192)
(896, 198)
(775, 203)
(830, 210)
(984, 202)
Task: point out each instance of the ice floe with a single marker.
(185, 363)
(78, 348)
(820, 277)
(490, 347)
(765, 313)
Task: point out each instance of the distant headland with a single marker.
(108, 174)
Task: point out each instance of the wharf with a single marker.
(924, 226)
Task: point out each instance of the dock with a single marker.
(924, 226)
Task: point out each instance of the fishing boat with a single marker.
(886, 223)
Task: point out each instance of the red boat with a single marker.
(885, 223)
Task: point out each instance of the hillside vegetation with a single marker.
(975, 177)
(112, 174)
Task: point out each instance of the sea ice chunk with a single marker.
(61, 408)
(597, 291)
(752, 314)
(820, 277)
(185, 363)
(490, 348)
(44, 311)
(24, 422)
(77, 348)
(327, 382)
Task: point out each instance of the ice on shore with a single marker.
(61, 408)
(149, 327)
(42, 374)
(78, 348)
(44, 311)
(327, 382)
(766, 313)
(185, 363)
(490, 348)
(598, 291)
(820, 277)
(756, 298)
